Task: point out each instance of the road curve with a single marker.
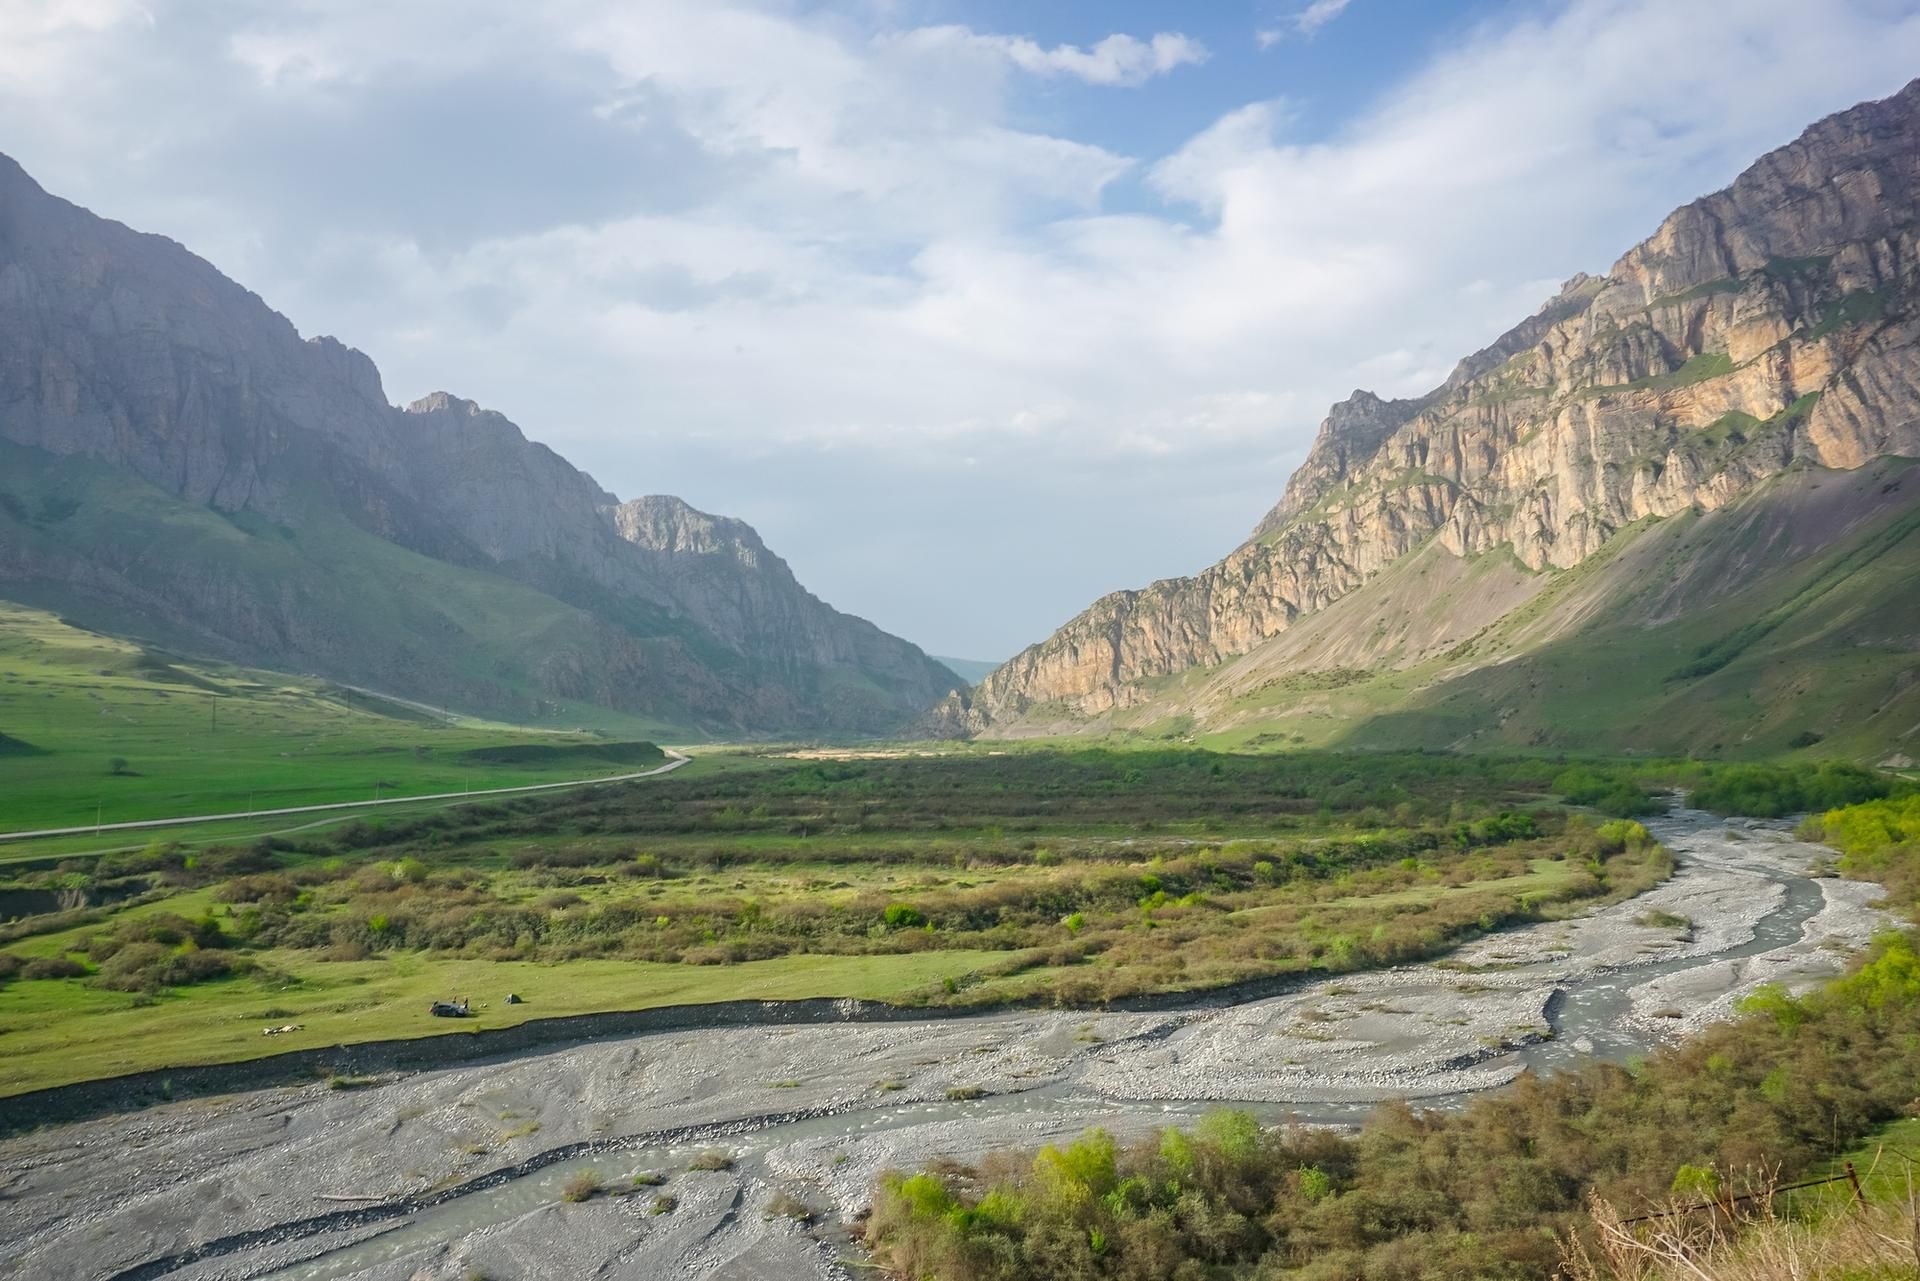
(87, 829)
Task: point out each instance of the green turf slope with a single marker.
(96, 728)
(1786, 622)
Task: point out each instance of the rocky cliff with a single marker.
(1767, 326)
(124, 351)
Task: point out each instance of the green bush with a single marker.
(903, 916)
(583, 1186)
(1490, 1191)
(53, 967)
(1770, 791)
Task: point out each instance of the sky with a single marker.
(976, 309)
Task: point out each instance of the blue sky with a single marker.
(976, 309)
(1331, 68)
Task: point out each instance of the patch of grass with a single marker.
(783, 1205)
(1696, 369)
(648, 1179)
(1729, 430)
(1797, 268)
(665, 1203)
(65, 1031)
(712, 1159)
(1861, 307)
(1724, 285)
(1662, 920)
(965, 1093)
(570, 756)
(583, 1186)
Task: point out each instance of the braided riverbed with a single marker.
(458, 1171)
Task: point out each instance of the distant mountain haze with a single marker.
(972, 670)
(1764, 337)
(177, 463)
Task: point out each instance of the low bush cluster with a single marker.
(1490, 1191)
(1770, 791)
(147, 953)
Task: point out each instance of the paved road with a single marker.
(89, 829)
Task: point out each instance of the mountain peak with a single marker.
(662, 522)
(445, 402)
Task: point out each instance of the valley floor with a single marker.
(459, 1173)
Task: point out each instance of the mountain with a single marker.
(1641, 477)
(972, 670)
(177, 463)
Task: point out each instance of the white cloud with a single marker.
(856, 259)
(1117, 60)
(43, 41)
(1318, 14)
(1307, 23)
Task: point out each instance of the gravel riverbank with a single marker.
(392, 1183)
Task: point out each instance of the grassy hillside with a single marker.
(1710, 638)
(96, 728)
(1784, 624)
(110, 552)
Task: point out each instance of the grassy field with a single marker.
(953, 878)
(100, 730)
(59, 1032)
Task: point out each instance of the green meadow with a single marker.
(960, 878)
(94, 729)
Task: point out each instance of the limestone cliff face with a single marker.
(126, 349)
(1764, 326)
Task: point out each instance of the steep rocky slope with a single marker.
(182, 464)
(1766, 327)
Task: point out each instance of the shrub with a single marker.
(711, 1159)
(583, 1186)
(782, 1205)
(1605, 790)
(1489, 1191)
(148, 967)
(1769, 791)
(52, 967)
(903, 916)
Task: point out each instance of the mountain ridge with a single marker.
(1762, 326)
(125, 349)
